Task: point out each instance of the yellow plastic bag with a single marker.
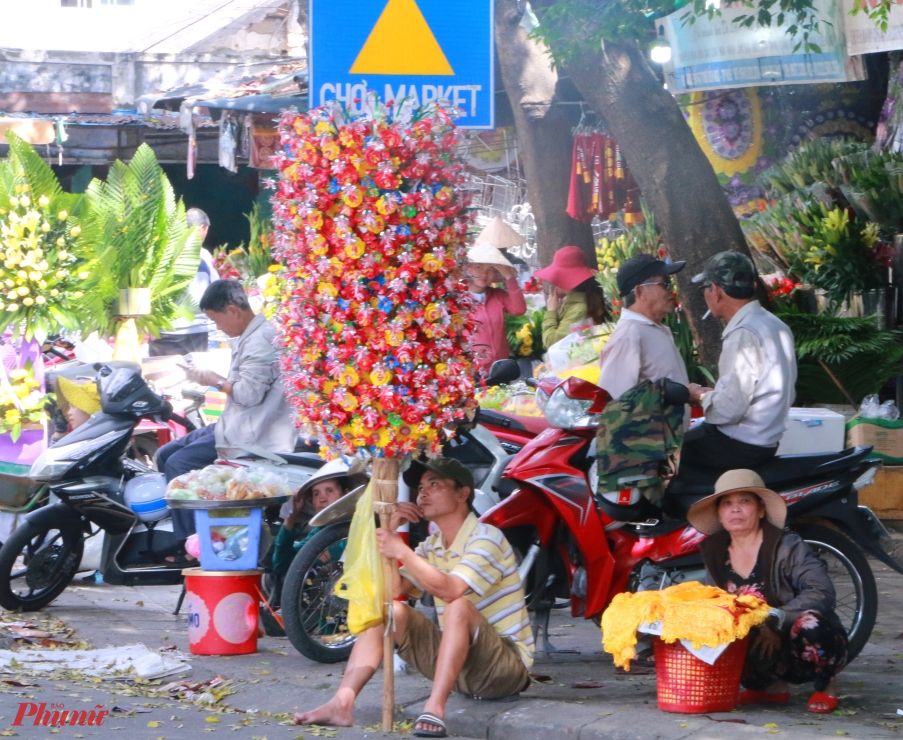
(362, 580)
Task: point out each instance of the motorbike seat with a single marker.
(307, 460)
(778, 473)
(530, 424)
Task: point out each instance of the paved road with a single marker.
(276, 681)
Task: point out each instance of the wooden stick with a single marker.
(385, 491)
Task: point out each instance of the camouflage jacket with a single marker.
(639, 438)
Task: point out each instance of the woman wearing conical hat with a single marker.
(487, 265)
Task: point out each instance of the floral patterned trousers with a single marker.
(815, 649)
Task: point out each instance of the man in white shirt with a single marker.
(746, 411)
(641, 347)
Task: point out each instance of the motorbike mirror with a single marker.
(503, 371)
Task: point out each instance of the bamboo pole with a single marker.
(385, 494)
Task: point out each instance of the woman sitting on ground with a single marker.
(748, 551)
(291, 538)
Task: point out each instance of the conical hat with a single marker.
(482, 253)
(500, 235)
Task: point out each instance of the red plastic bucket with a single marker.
(222, 611)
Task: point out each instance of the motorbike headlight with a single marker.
(541, 399)
(565, 412)
(55, 461)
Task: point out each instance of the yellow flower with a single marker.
(12, 417)
(44, 201)
(62, 215)
(40, 300)
(75, 231)
(28, 301)
(25, 200)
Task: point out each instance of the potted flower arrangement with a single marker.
(46, 266)
(147, 252)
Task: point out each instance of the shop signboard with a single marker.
(717, 52)
(420, 50)
(864, 36)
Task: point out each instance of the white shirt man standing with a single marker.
(746, 411)
(641, 347)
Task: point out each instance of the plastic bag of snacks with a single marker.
(224, 483)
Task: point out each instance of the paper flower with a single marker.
(44, 269)
(371, 221)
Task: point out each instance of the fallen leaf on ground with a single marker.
(586, 685)
(541, 678)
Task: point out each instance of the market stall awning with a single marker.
(255, 103)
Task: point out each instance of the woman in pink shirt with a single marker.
(487, 266)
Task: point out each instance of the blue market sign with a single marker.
(420, 50)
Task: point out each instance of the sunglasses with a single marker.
(667, 283)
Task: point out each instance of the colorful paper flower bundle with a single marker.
(371, 219)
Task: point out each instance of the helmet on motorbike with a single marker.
(145, 495)
(124, 391)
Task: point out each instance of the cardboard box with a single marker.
(886, 437)
(812, 430)
(885, 496)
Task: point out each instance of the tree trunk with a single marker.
(671, 169)
(544, 137)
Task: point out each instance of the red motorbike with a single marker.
(580, 547)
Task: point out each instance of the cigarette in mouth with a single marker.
(706, 315)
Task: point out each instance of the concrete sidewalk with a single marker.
(277, 680)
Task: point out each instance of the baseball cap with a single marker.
(444, 467)
(728, 270)
(639, 269)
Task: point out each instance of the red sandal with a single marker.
(819, 697)
(762, 697)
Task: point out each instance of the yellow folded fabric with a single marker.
(704, 615)
(84, 396)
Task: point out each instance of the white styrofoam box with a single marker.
(812, 430)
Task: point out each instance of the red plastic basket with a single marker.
(688, 685)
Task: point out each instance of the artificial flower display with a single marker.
(370, 231)
(21, 402)
(704, 615)
(45, 270)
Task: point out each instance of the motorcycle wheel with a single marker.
(854, 582)
(316, 620)
(36, 564)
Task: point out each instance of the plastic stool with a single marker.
(209, 558)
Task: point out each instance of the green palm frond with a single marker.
(145, 239)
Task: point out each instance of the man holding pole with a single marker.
(483, 645)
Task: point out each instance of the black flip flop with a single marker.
(430, 719)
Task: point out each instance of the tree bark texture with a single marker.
(675, 178)
(544, 139)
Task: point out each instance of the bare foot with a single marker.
(331, 713)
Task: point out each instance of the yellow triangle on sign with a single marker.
(401, 43)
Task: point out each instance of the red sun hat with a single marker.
(568, 269)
